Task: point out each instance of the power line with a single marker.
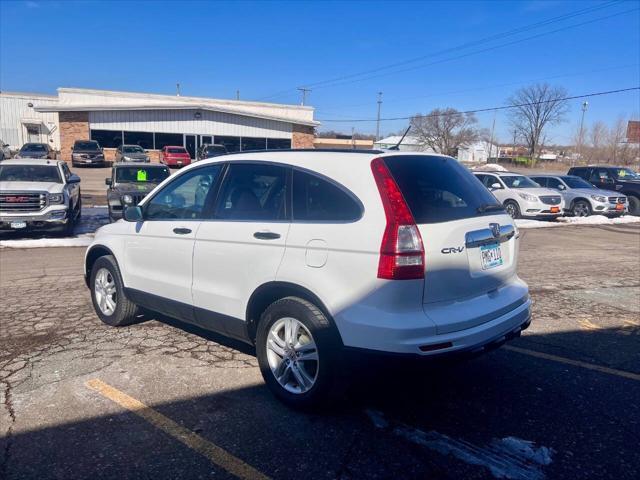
(488, 109)
(491, 38)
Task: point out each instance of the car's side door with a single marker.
(241, 246)
(159, 249)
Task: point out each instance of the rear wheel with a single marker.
(581, 208)
(512, 208)
(107, 294)
(634, 205)
(298, 352)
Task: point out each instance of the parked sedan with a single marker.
(521, 196)
(129, 183)
(581, 198)
(131, 153)
(175, 156)
(36, 150)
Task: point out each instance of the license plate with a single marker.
(18, 224)
(555, 209)
(491, 256)
(620, 206)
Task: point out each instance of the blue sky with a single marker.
(267, 49)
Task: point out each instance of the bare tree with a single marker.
(534, 108)
(445, 130)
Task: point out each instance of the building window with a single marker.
(249, 143)
(107, 138)
(169, 139)
(278, 143)
(232, 143)
(144, 139)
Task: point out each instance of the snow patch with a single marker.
(563, 221)
(92, 218)
(490, 167)
(510, 457)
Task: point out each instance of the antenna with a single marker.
(304, 94)
(397, 145)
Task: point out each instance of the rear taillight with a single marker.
(401, 251)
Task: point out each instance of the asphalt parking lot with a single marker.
(79, 399)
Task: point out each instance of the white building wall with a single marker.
(184, 121)
(15, 114)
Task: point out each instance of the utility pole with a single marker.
(493, 127)
(513, 150)
(304, 94)
(237, 94)
(378, 121)
(177, 89)
(353, 140)
(585, 105)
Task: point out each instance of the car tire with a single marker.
(581, 208)
(512, 208)
(122, 311)
(320, 373)
(634, 205)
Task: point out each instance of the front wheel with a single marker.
(512, 208)
(107, 294)
(298, 352)
(581, 208)
(634, 205)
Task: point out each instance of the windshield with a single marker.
(33, 147)
(216, 149)
(141, 175)
(86, 146)
(627, 174)
(438, 189)
(132, 149)
(518, 181)
(30, 173)
(576, 182)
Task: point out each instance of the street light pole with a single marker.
(585, 105)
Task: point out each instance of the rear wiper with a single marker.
(486, 207)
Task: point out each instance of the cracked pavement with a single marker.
(585, 283)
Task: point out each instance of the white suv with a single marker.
(521, 196)
(308, 254)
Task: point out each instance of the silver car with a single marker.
(582, 199)
(131, 153)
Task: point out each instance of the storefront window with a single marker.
(249, 143)
(107, 138)
(278, 143)
(171, 139)
(232, 143)
(144, 139)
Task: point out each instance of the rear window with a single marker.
(439, 189)
(176, 150)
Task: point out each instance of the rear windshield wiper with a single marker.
(486, 207)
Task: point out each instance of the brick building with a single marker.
(153, 121)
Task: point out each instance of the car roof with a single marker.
(35, 143)
(174, 146)
(130, 145)
(139, 165)
(500, 173)
(32, 161)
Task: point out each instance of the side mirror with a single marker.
(73, 178)
(496, 186)
(132, 214)
(561, 187)
(107, 181)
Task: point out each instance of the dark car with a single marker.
(87, 152)
(131, 182)
(36, 150)
(131, 153)
(619, 179)
(210, 150)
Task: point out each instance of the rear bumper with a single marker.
(174, 162)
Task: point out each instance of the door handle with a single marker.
(266, 235)
(182, 231)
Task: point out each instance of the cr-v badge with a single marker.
(452, 250)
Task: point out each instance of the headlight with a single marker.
(528, 197)
(127, 199)
(126, 159)
(56, 198)
(599, 198)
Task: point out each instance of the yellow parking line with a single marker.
(575, 363)
(215, 454)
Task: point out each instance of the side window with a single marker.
(316, 199)
(489, 180)
(185, 197)
(553, 183)
(600, 175)
(253, 192)
(580, 172)
(482, 179)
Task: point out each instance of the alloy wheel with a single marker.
(511, 209)
(105, 291)
(292, 355)
(581, 209)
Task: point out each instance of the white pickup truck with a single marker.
(38, 195)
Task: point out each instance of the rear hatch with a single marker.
(469, 242)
